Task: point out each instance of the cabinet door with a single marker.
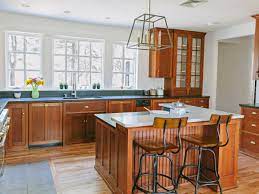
(18, 133)
(197, 43)
(116, 106)
(75, 128)
(53, 122)
(90, 127)
(181, 57)
(160, 62)
(37, 132)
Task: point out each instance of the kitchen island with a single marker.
(117, 160)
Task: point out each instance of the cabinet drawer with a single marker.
(251, 113)
(251, 125)
(250, 142)
(85, 107)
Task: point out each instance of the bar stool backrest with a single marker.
(171, 123)
(219, 120)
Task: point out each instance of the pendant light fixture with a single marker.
(147, 31)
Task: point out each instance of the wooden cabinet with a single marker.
(116, 106)
(79, 120)
(18, 133)
(160, 62)
(188, 57)
(45, 123)
(182, 65)
(249, 136)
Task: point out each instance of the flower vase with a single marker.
(35, 93)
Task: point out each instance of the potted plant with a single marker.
(35, 83)
(61, 85)
(98, 86)
(65, 86)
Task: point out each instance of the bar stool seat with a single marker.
(202, 141)
(151, 146)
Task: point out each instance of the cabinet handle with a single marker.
(86, 106)
(202, 101)
(253, 125)
(254, 113)
(252, 142)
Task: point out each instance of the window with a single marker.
(23, 57)
(124, 64)
(81, 57)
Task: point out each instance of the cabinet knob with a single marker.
(254, 113)
(86, 106)
(253, 125)
(252, 142)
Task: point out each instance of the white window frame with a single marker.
(124, 44)
(78, 39)
(7, 67)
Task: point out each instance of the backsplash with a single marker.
(80, 93)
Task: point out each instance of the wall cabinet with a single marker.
(182, 65)
(17, 138)
(45, 123)
(116, 106)
(161, 61)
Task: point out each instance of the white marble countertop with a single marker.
(141, 119)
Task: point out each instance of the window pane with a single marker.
(32, 44)
(72, 63)
(59, 46)
(32, 74)
(117, 80)
(33, 61)
(97, 49)
(96, 78)
(72, 47)
(16, 43)
(84, 48)
(59, 77)
(129, 66)
(83, 80)
(96, 65)
(69, 78)
(130, 53)
(59, 63)
(84, 64)
(16, 61)
(117, 65)
(16, 78)
(117, 50)
(129, 80)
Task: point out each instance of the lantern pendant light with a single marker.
(146, 32)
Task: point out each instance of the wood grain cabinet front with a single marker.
(117, 106)
(45, 123)
(249, 135)
(17, 138)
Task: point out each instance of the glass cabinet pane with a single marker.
(196, 60)
(181, 61)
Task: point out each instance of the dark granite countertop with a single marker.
(4, 101)
(250, 105)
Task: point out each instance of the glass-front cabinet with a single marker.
(187, 64)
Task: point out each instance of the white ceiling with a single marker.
(122, 12)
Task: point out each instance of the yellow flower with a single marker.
(28, 81)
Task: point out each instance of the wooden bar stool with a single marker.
(203, 143)
(155, 149)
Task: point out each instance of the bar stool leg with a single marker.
(139, 173)
(199, 171)
(155, 173)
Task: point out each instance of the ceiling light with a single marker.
(146, 32)
(26, 5)
(193, 3)
(67, 12)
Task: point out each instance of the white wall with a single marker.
(51, 27)
(234, 77)
(211, 55)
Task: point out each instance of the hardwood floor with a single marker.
(73, 171)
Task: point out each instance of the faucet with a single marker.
(74, 92)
